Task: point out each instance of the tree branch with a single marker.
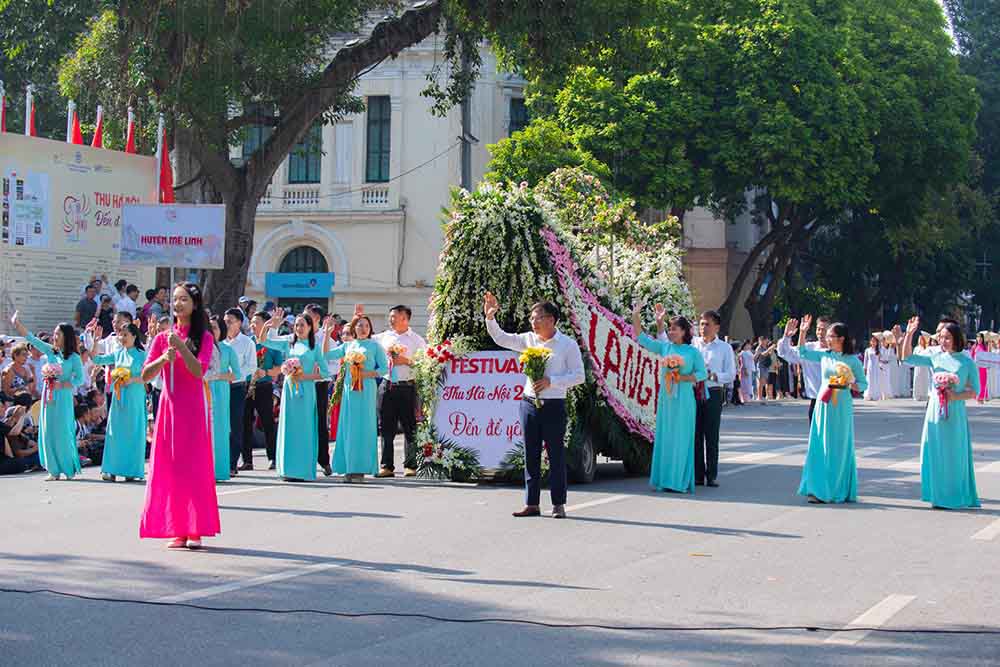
(389, 38)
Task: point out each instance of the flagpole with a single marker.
(27, 110)
(3, 108)
(69, 121)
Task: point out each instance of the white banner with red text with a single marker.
(479, 404)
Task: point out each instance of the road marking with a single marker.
(875, 617)
(211, 591)
(911, 465)
(990, 467)
(889, 437)
(752, 457)
(235, 491)
(866, 452)
(988, 533)
(595, 503)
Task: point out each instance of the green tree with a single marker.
(816, 108)
(976, 25)
(213, 67)
(34, 36)
(536, 151)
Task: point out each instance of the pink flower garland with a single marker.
(566, 269)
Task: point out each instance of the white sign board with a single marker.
(479, 404)
(189, 235)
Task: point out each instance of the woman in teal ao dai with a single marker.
(225, 368)
(356, 452)
(672, 468)
(297, 429)
(830, 474)
(125, 443)
(57, 450)
(947, 475)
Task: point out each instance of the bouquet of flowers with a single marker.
(441, 352)
(535, 360)
(356, 359)
(50, 374)
(944, 383)
(394, 351)
(120, 377)
(842, 378)
(672, 376)
(292, 370)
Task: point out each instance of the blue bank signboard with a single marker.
(298, 285)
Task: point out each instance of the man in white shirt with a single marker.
(126, 302)
(246, 355)
(399, 393)
(545, 424)
(811, 370)
(101, 287)
(720, 364)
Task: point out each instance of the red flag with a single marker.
(77, 137)
(166, 173)
(130, 137)
(32, 131)
(98, 141)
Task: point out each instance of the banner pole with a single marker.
(172, 324)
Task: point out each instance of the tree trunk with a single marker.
(728, 307)
(224, 287)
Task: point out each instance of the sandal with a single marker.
(177, 543)
(194, 543)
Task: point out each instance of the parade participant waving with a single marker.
(947, 475)
(673, 467)
(62, 375)
(830, 474)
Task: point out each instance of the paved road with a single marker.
(750, 553)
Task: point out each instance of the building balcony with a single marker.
(316, 197)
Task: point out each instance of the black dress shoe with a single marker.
(272, 465)
(699, 483)
(711, 482)
(528, 511)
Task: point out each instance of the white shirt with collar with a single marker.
(246, 354)
(409, 339)
(125, 304)
(719, 359)
(811, 370)
(564, 368)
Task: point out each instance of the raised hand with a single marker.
(277, 317)
(359, 310)
(660, 313)
(807, 322)
(791, 327)
(15, 321)
(913, 325)
(637, 319)
(490, 305)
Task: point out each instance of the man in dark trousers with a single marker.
(720, 364)
(315, 313)
(260, 395)
(543, 406)
(399, 397)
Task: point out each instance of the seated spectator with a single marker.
(17, 453)
(89, 443)
(18, 380)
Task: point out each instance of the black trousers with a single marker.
(237, 402)
(323, 431)
(544, 426)
(261, 403)
(706, 436)
(154, 398)
(399, 406)
(812, 406)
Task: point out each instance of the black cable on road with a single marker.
(517, 621)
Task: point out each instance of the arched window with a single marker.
(303, 259)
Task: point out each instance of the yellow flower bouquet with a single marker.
(842, 378)
(534, 361)
(672, 376)
(356, 360)
(120, 378)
